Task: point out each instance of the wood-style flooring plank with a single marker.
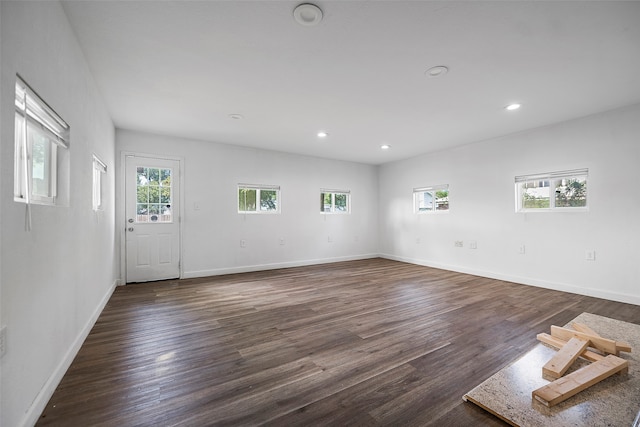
(360, 343)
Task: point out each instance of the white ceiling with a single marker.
(182, 67)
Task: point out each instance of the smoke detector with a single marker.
(307, 14)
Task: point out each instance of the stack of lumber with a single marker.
(579, 342)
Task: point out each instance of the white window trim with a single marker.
(99, 169)
(258, 188)
(433, 188)
(333, 193)
(36, 113)
(551, 177)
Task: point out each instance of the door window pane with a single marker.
(143, 194)
(143, 176)
(165, 195)
(154, 195)
(154, 176)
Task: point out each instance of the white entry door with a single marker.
(152, 218)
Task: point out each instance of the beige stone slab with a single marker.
(614, 401)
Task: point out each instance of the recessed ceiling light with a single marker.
(307, 14)
(322, 134)
(512, 107)
(437, 71)
(236, 116)
(385, 146)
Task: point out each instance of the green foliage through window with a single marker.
(334, 202)
(253, 199)
(153, 195)
(558, 190)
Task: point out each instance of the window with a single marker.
(258, 198)
(431, 199)
(40, 133)
(566, 190)
(99, 168)
(153, 194)
(335, 201)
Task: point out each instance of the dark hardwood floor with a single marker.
(367, 343)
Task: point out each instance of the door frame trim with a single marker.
(121, 205)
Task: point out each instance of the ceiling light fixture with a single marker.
(322, 134)
(512, 107)
(307, 14)
(236, 116)
(437, 71)
(385, 146)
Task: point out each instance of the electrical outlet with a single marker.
(458, 243)
(590, 255)
(3, 341)
(329, 239)
(281, 241)
(417, 240)
(521, 249)
(243, 243)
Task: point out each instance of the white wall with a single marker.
(56, 278)
(1, 199)
(212, 234)
(481, 179)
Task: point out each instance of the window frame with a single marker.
(258, 188)
(433, 189)
(333, 210)
(34, 118)
(99, 169)
(144, 179)
(553, 178)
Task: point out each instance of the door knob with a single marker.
(130, 220)
(130, 229)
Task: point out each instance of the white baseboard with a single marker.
(556, 286)
(273, 266)
(41, 400)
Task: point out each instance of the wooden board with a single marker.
(564, 358)
(572, 384)
(581, 327)
(603, 344)
(558, 343)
